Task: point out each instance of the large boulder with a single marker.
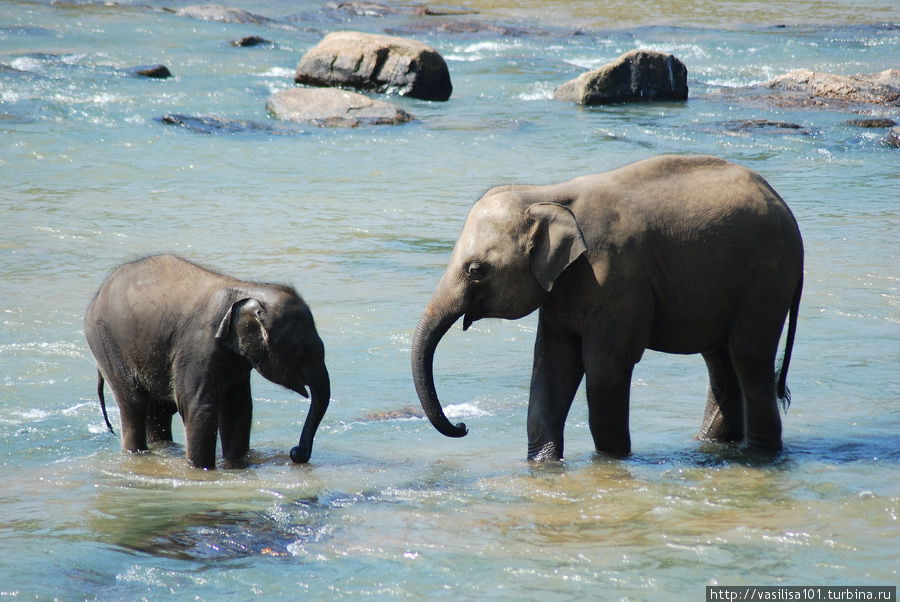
(376, 62)
(881, 88)
(330, 107)
(638, 75)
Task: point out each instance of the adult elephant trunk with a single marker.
(320, 395)
(433, 325)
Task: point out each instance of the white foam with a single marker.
(538, 91)
(463, 410)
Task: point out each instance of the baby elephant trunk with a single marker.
(320, 395)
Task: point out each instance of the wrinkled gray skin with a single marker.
(170, 336)
(677, 254)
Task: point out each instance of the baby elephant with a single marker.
(171, 336)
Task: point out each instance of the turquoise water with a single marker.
(362, 222)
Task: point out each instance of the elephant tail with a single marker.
(784, 394)
(100, 383)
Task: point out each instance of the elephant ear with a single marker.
(556, 241)
(242, 330)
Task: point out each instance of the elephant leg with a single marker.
(235, 417)
(132, 404)
(753, 345)
(762, 422)
(159, 421)
(723, 419)
(609, 397)
(201, 423)
(555, 377)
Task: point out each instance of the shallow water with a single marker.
(362, 222)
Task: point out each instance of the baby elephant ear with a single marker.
(556, 241)
(229, 328)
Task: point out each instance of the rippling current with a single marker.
(362, 222)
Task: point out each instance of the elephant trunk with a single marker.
(431, 328)
(320, 395)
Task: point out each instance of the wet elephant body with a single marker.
(680, 254)
(170, 336)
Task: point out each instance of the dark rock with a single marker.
(218, 12)
(331, 107)
(892, 138)
(639, 75)
(818, 88)
(876, 122)
(216, 125)
(430, 11)
(376, 62)
(154, 71)
(249, 41)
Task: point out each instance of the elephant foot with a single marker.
(547, 452)
(300, 454)
(615, 449)
(765, 447)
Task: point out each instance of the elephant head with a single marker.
(506, 259)
(276, 334)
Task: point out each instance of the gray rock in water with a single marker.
(876, 88)
(872, 122)
(765, 126)
(330, 107)
(376, 62)
(639, 75)
(218, 125)
(154, 71)
(404, 413)
(248, 41)
(893, 137)
(219, 12)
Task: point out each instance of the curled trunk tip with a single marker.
(431, 328)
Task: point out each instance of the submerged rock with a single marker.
(217, 125)
(367, 8)
(404, 413)
(872, 122)
(462, 27)
(764, 126)
(639, 75)
(361, 8)
(814, 87)
(892, 138)
(376, 62)
(330, 107)
(221, 13)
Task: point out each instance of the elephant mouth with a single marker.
(467, 321)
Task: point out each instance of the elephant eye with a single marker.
(476, 270)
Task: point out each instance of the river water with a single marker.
(362, 221)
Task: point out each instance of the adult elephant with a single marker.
(171, 336)
(681, 254)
